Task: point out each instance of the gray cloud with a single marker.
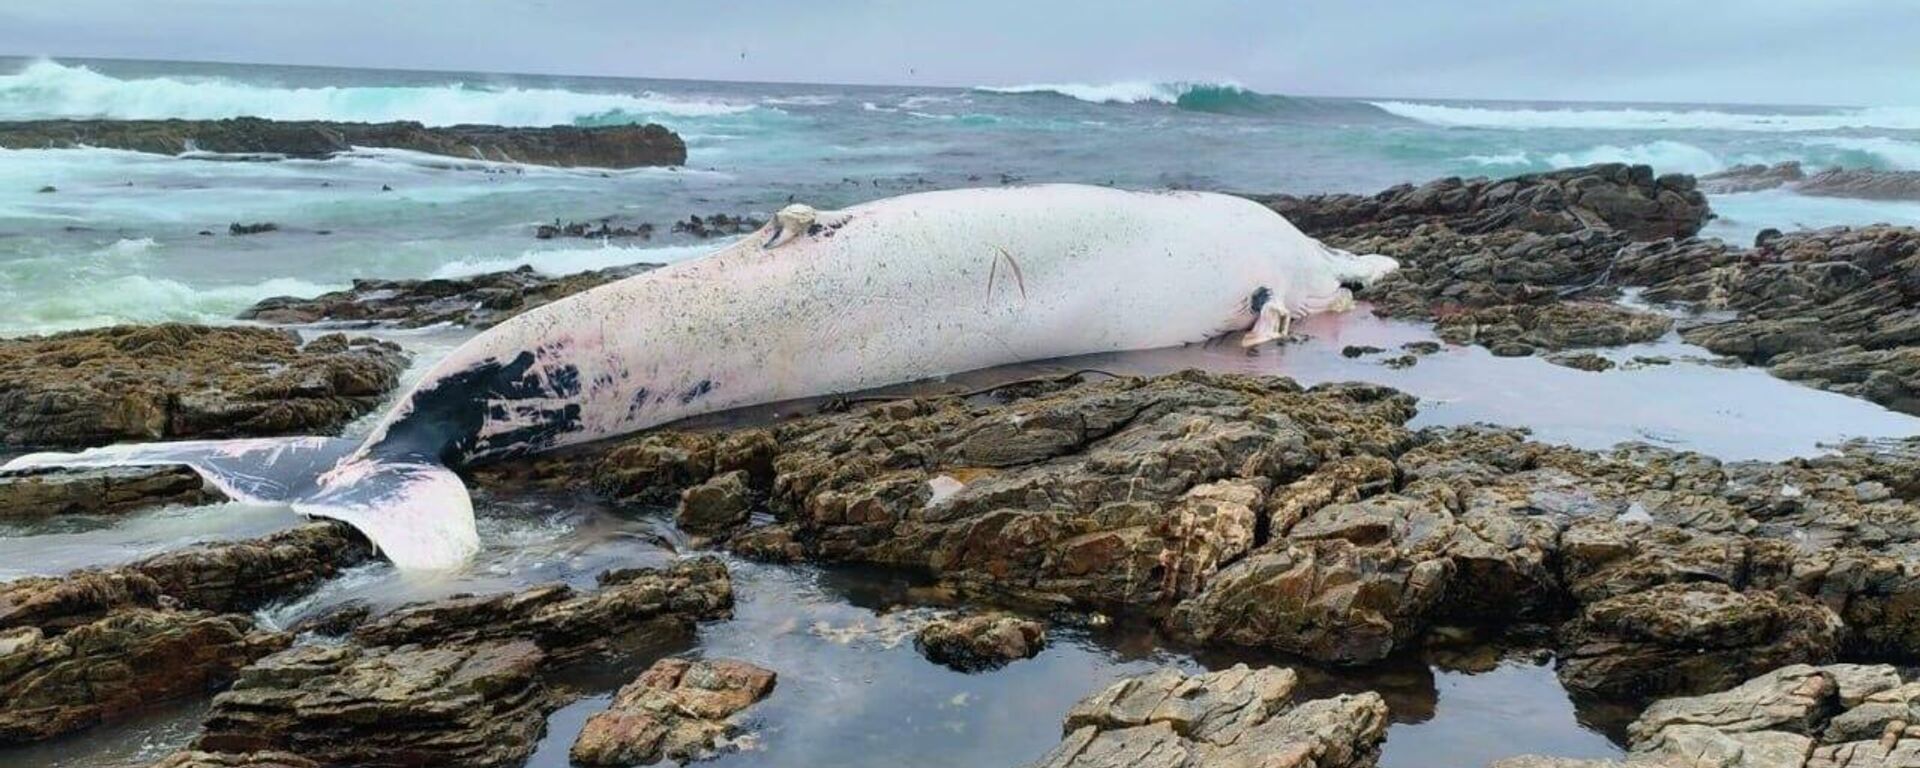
(1758, 51)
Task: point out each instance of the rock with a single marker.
(48, 189)
(1124, 494)
(616, 146)
(678, 710)
(176, 381)
(1553, 326)
(1862, 183)
(480, 301)
(1752, 178)
(1614, 196)
(57, 683)
(606, 230)
(1233, 717)
(479, 705)
(237, 228)
(1328, 601)
(1889, 377)
(717, 225)
(1352, 350)
(716, 506)
(1542, 761)
(565, 624)
(193, 759)
(1818, 717)
(1691, 638)
(58, 492)
(981, 641)
(220, 577)
(1582, 361)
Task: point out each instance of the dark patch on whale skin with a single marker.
(445, 422)
(696, 392)
(1259, 300)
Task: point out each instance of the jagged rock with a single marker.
(1691, 638)
(1615, 196)
(1817, 717)
(1233, 717)
(55, 492)
(678, 710)
(1124, 494)
(1523, 329)
(717, 225)
(220, 577)
(480, 704)
(716, 506)
(479, 301)
(613, 146)
(1752, 178)
(606, 230)
(175, 381)
(1862, 183)
(238, 228)
(1582, 361)
(1328, 601)
(563, 622)
(58, 682)
(981, 641)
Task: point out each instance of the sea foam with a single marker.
(48, 89)
(1642, 119)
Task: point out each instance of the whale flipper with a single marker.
(418, 514)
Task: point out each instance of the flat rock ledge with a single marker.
(480, 301)
(679, 710)
(1233, 717)
(57, 492)
(620, 146)
(174, 381)
(464, 675)
(100, 645)
(1799, 716)
(1237, 511)
(981, 641)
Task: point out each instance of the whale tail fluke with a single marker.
(419, 515)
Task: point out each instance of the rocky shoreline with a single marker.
(1745, 612)
(622, 146)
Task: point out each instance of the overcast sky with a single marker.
(1768, 51)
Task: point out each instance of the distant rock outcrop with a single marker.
(612, 146)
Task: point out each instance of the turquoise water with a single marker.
(120, 239)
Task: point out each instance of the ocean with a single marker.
(120, 238)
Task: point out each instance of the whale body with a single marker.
(815, 303)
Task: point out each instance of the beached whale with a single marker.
(817, 302)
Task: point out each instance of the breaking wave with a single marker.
(1225, 98)
(1639, 119)
(565, 261)
(47, 89)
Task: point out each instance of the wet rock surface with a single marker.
(463, 674)
(1858, 183)
(1237, 716)
(981, 641)
(1241, 511)
(678, 709)
(101, 645)
(1492, 261)
(625, 146)
(566, 623)
(1530, 264)
(477, 302)
(55, 492)
(1833, 716)
(174, 381)
(479, 705)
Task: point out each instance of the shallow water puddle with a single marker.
(56, 546)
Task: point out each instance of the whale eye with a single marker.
(1258, 301)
